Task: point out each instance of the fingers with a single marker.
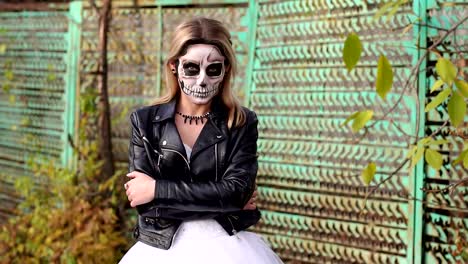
(250, 206)
(132, 174)
(131, 199)
(135, 174)
(254, 194)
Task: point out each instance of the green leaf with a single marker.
(465, 161)
(464, 254)
(456, 109)
(351, 117)
(438, 100)
(6, 87)
(407, 29)
(411, 151)
(383, 9)
(3, 48)
(446, 70)
(352, 51)
(437, 85)
(384, 77)
(361, 119)
(416, 157)
(438, 142)
(51, 77)
(462, 86)
(434, 158)
(393, 11)
(368, 173)
(12, 99)
(9, 75)
(424, 141)
(462, 158)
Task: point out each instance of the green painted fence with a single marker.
(292, 75)
(38, 91)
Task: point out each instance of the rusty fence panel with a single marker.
(38, 79)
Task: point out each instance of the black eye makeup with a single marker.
(191, 69)
(214, 69)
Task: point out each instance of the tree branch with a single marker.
(415, 69)
(375, 187)
(450, 188)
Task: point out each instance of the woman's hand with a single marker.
(251, 205)
(140, 189)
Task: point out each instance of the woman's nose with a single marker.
(202, 79)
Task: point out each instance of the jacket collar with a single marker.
(214, 131)
(167, 110)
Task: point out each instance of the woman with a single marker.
(193, 160)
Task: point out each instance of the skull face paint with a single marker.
(200, 72)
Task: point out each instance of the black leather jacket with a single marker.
(216, 182)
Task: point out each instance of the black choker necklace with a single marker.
(192, 117)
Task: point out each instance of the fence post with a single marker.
(71, 81)
(416, 224)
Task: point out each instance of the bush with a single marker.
(67, 216)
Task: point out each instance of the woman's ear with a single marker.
(173, 67)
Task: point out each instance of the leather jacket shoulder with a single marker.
(215, 182)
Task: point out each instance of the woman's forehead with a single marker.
(201, 52)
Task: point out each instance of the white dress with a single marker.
(205, 242)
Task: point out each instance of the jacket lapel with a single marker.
(169, 137)
(171, 140)
(209, 136)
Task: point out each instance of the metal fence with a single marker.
(292, 75)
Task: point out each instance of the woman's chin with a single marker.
(199, 101)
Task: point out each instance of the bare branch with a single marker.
(401, 130)
(375, 187)
(449, 188)
(439, 129)
(94, 6)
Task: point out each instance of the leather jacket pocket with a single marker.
(156, 232)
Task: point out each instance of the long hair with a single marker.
(206, 31)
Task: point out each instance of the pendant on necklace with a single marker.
(191, 118)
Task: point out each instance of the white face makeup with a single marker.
(200, 72)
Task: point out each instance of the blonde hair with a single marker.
(206, 31)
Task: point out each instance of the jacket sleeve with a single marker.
(227, 195)
(137, 156)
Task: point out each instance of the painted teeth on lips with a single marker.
(198, 92)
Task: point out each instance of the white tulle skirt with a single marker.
(205, 242)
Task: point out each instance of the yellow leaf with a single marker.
(384, 81)
(456, 109)
(433, 158)
(352, 51)
(368, 173)
(446, 70)
(462, 86)
(437, 85)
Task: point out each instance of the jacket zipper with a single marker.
(234, 232)
(216, 161)
(185, 159)
(155, 151)
(159, 160)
